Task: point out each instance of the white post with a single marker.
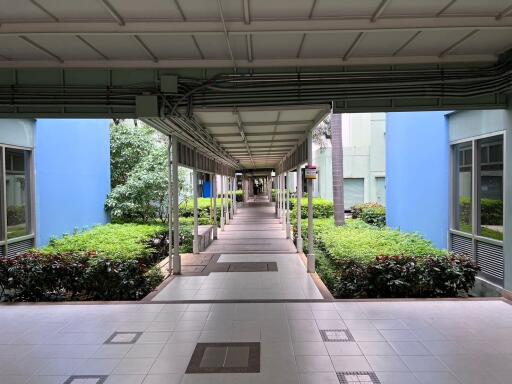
(222, 218)
(226, 214)
(276, 180)
(288, 225)
(311, 256)
(214, 196)
(234, 195)
(299, 210)
(169, 202)
(176, 259)
(195, 242)
(283, 199)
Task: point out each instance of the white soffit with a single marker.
(255, 33)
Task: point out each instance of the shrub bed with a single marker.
(370, 213)
(360, 260)
(322, 208)
(110, 262)
(186, 209)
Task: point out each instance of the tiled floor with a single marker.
(416, 342)
(254, 235)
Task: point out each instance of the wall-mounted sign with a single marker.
(310, 172)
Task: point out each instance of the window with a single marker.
(486, 212)
(463, 187)
(16, 190)
(491, 187)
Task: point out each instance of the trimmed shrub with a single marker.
(362, 260)
(322, 208)
(370, 213)
(36, 276)
(186, 209)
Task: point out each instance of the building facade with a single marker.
(364, 160)
(446, 180)
(54, 178)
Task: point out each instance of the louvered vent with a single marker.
(461, 244)
(20, 246)
(490, 259)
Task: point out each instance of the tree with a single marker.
(331, 130)
(128, 145)
(337, 169)
(142, 171)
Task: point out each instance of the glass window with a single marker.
(463, 187)
(16, 192)
(491, 188)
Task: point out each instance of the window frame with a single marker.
(475, 187)
(30, 195)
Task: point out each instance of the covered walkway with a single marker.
(252, 259)
(412, 342)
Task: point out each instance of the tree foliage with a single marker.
(322, 133)
(141, 168)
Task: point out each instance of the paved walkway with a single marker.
(427, 342)
(254, 235)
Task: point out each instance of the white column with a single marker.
(169, 202)
(226, 206)
(269, 188)
(276, 181)
(311, 256)
(299, 209)
(222, 218)
(195, 242)
(234, 195)
(176, 259)
(287, 192)
(214, 197)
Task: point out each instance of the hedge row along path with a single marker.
(248, 252)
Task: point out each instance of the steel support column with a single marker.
(214, 197)
(299, 243)
(311, 255)
(176, 258)
(226, 206)
(195, 242)
(222, 218)
(287, 193)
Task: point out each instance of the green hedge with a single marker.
(370, 213)
(186, 209)
(362, 260)
(322, 208)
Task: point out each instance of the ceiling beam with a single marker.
(445, 8)
(380, 9)
(226, 35)
(91, 46)
(259, 123)
(507, 11)
(145, 48)
(250, 142)
(113, 12)
(247, 12)
(248, 44)
(40, 48)
(248, 134)
(180, 10)
(353, 46)
(312, 9)
(334, 25)
(409, 41)
(46, 11)
(458, 42)
(242, 133)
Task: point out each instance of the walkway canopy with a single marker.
(239, 84)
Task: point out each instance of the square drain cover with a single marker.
(358, 377)
(225, 358)
(336, 335)
(85, 379)
(123, 338)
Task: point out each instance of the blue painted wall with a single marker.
(72, 170)
(417, 174)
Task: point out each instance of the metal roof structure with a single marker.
(242, 81)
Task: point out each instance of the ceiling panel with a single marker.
(259, 116)
(410, 8)
(432, 43)
(272, 9)
(345, 8)
(327, 44)
(67, 47)
(478, 7)
(172, 47)
(75, 9)
(117, 47)
(152, 9)
(483, 42)
(276, 45)
(213, 46)
(200, 9)
(13, 10)
(14, 48)
(375, 44)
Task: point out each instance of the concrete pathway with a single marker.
(411, 342)
(254, 235)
